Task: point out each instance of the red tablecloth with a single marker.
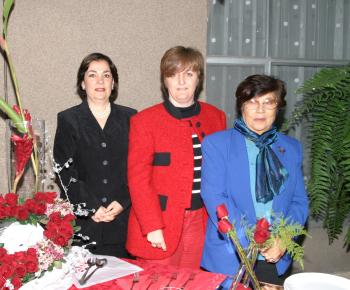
(202, 280)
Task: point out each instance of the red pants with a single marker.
(189, 251)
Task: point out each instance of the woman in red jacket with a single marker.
(167, 219)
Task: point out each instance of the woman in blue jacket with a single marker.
(255, 171)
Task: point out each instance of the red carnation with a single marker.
(221, 211)
(11, 199)
(224, 226)
(263, 224)
(23, 150)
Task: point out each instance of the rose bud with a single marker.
(221, 211)
(263, 224)
(224, 226)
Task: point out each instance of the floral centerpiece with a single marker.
(53, 224)
(261, 236)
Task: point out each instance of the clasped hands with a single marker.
(107, 214)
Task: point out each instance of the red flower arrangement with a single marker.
(23, 266)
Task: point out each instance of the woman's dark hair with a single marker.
(177, 59)
(84, 67)
(258, 85)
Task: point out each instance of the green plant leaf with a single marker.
(8, 4)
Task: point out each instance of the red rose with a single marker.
(66, 230)
(2, 200)
(3, 253)
(3, 212)
(224, 226)
(22, 213)
(50, 197)
(221, 211)
(60, 241)
(11, 199)
(20, 256)
(30, 205)
(16, 282)
(263, 224)
(31, 252)
(261, 235)
(21, 270)
(13, 211)
(40, 197)
(32, 266)
(6, 271)
(55, 217)
(69, 217)
(40, 208)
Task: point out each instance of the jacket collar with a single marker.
(175, 112)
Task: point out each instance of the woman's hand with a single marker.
(99, 215)
(274, 253)
(107, 214)
(156, 239)
(112, 210)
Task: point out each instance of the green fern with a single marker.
(326, 105)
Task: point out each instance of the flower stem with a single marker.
(244, 259)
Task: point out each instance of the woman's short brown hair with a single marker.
(258, 85)
(177, 59)
(84, 67)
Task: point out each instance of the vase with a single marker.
(31, 180)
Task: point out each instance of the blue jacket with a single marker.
(225, 180)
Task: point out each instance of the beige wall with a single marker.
(48, 40)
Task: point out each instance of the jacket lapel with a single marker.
(240, 181)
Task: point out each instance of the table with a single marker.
(202, 280)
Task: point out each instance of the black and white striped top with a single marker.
(197, 153)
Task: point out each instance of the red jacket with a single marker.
(160, 173)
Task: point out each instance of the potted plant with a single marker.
(326, 105)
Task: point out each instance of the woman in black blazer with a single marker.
(95, 135)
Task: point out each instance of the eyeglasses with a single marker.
(268, 104)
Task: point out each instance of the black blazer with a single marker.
(99, 166)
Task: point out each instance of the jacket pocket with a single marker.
(161, 159)
(163, 199)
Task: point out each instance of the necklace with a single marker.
(103, 114)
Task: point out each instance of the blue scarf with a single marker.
(270, 173)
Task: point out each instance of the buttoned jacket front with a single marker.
(99, 158)
(160, 173)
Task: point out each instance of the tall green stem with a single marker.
(244, 259)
